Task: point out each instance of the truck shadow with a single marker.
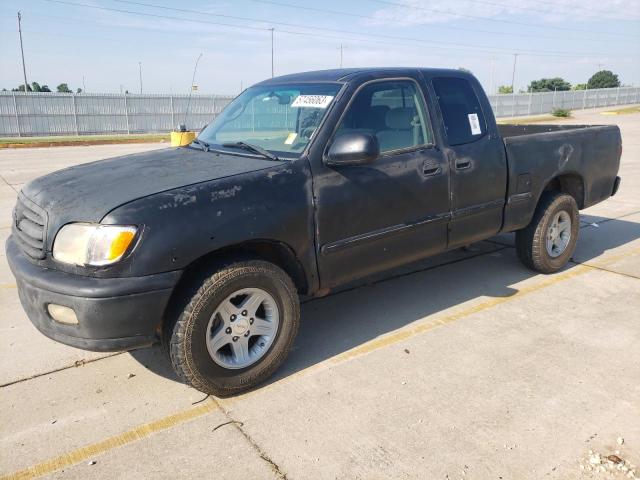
(376, 306)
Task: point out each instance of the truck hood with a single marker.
(88, 192)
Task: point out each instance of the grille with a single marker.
(29, 227)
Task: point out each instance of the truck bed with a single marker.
(584, 158)
(515, 130)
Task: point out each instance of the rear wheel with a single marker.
(236, 330)
(548, 242)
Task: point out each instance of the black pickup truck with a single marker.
(303, 184)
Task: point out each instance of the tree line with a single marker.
(601, 79)
(36, 87)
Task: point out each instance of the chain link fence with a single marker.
(40, 114)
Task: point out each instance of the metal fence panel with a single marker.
(37, 114)
(540, 103)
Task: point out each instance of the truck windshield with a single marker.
(279, 118)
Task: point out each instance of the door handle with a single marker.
(462, 164)
(431, 169)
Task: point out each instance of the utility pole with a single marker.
(84, 87)
(272, 29)
(140, 72)
(341, 48)
(24, 69)
(513, 75)
(492, 86)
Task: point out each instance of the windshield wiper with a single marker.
(205, 146)
(253, 148)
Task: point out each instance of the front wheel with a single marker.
(236, 329)
(548, 242)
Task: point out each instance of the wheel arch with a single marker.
(568, 183)
(273, 251)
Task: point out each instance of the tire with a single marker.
(194, 337)
(531, 242)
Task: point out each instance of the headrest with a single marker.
(399, 118)
(376, 117)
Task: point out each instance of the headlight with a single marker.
(92, 244)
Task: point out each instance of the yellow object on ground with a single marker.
(178, 139)
(622, 111)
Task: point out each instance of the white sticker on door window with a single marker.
(474, 123)
(312, 101)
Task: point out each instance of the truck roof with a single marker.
(349, 74)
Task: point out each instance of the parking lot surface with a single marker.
(466, 365)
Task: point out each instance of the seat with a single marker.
(399, 131)
(375, 118)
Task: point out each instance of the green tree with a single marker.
(603, 79)
(505, 89)
(63, 88)
(79, 90)
(36, 87)
(549, 85)
(580, 86)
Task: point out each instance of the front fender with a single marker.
(184, 224)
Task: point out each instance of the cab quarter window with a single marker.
(393, 111)
(461, 112)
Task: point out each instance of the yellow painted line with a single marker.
(143, 431)
(124, 438)
(408, 332)
(8, 285)
(424, 326)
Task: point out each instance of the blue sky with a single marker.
(64, 42)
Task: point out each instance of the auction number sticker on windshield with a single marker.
(312, 101)
(474, 123)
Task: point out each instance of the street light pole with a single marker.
(513, 85)
(513, 75)
(341, 47)
(24, 69)
(140, 72)
(492, 81)
(272, 29)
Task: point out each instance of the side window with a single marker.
(393, 111)
(461, 112)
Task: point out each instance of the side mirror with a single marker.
(353, 148)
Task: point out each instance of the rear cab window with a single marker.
(462, 115)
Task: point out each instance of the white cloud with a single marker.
(413, 12)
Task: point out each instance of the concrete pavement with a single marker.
(465, 366)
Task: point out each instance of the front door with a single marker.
(393, 211)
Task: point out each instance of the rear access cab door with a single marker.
(476, 157)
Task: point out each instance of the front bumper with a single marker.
(113, 313)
